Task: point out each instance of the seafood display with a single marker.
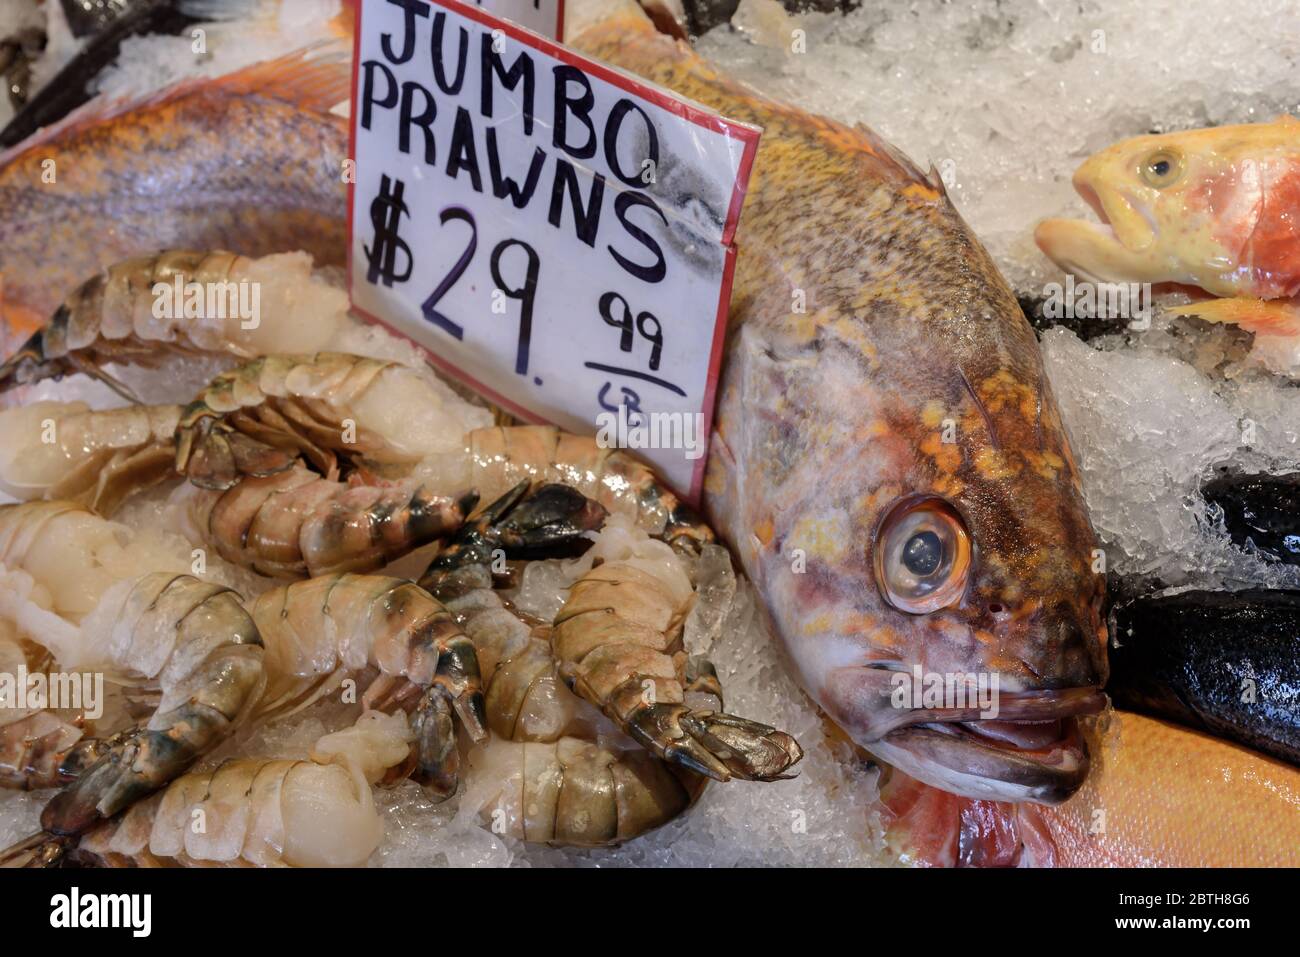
(315, 813)
(260, 450)
(975, 578)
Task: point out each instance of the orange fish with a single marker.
(1162, 796)
(1217, 209)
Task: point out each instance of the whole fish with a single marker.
(251, 162)
(889, 463)
(1223, 662)
(1162, 796)
(1217, 209)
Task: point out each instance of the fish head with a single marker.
(1206, 208)
(926, 551)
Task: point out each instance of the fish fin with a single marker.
(1278, 317)
(891, 154)
(316, 77)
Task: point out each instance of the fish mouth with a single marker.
(1108, 250)
(1032, 750)
(1088, 250)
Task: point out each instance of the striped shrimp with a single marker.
(571, 761)
(296, 523)
(618, 643)
(617, 640)
(114, 316)
(315, 633)
(318, 407)
(248, 812)
(555, 771)
(89, 604)
(320, 630)
(289, 523)
(306, 402)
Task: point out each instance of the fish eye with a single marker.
(922, 555)
(1162, 168)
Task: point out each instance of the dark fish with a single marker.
(87, 17)
(694, 18)
(1263, 509)
(116, 21)
(17, 52)
(1223, 662)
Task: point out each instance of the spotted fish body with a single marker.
(875, 354)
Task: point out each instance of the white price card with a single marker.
(554, 232)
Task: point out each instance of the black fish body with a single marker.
(1224, 662)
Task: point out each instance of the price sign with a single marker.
(554, 232)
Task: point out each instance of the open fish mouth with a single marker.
(1108, 249)
(1032, 751)
(1091, 251)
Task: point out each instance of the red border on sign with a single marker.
(746, 134)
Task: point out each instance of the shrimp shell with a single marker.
(303, 401)
(97, 458)
(110, 318)
(503, 456)
(203, 649)
(550, 773)
(317, 628)
(297, 523)
(618, 643)
(243, 813)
